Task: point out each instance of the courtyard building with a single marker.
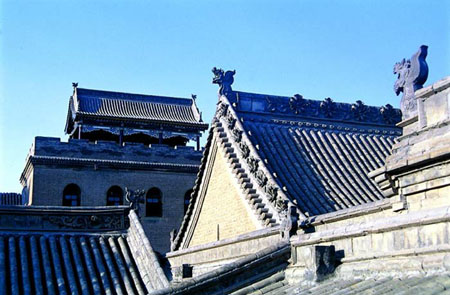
(119, 141)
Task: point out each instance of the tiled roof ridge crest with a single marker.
(330, 126)
(258, 173)
(297, 105)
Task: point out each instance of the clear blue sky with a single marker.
(339, 49)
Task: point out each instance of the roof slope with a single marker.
(57, 250)
(264, 269)
(310, 155)
(108, 105)
(321, 163)
(266, 272)
(319, 153)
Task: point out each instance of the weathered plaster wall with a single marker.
(224, 213)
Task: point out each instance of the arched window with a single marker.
(187, 197)
(71, 195)
(153, 203)
(114, 196)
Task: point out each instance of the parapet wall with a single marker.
(109, 150)
(210, 256)
(407, 233)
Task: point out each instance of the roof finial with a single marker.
(194, 96)
(411, 75)
(135, 198)
(74, 84)
(224, 79)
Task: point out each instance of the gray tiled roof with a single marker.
(323, 170)
(11, 199)
(320, 161)
(75, 250)
(108, 105)
(419, 284)
(266, 272)
(261, 270)
(314, 155)
(61, 264)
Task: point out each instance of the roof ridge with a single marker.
(133, 94)
(261, 190)
(322, 110)
(259, 174)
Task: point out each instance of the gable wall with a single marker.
(223, 209)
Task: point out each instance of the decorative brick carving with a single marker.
(88, 221)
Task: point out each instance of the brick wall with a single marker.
(49, 183)
(224, 211)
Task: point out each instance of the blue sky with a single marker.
(339, 49)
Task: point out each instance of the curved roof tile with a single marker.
(133, 107)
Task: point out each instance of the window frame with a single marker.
(72, 194)
(114, 189)
(154, 203)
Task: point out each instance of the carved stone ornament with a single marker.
(231, 121)
(280, 204)
(237, 135)
(272, 191)
(289, 223)
(359, 110)
(88, 222)
(135, 198)
(298, 104)
(273, 105)
(245, 150)
(253, 164)
(261, 178)
(390, 115)
(222, 110)
(411, 75)
(328, 107)
(173, 235)
(224, 80)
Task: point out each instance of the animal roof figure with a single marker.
(411, 75)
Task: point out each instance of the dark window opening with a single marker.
(177, 140)
(153, 203)
(98, 135)
(71, 195)
(140, 138)
(114, 196)
(187, 270)
(187, 198)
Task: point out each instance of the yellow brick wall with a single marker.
(223, 207)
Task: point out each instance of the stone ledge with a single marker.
(405, 252)
(349, 213)
(240, 238)
(382, 225)
(434, 88)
